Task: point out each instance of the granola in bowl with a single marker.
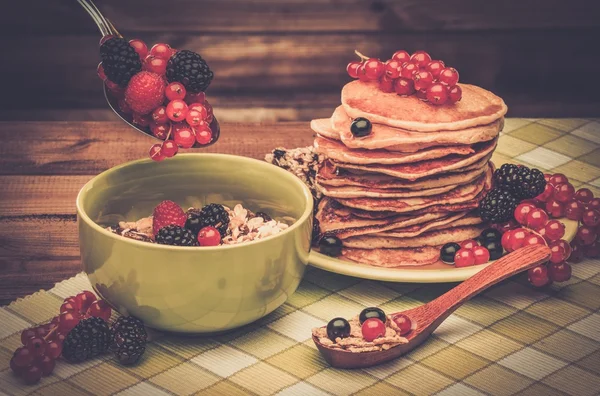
(212, 225)
(303, 162)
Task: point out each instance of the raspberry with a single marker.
(167, 213)
(145, 92)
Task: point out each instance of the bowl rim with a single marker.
(308, 211)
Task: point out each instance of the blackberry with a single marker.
(176, 236)
(129, 339)
(497, 206)
(90, 338)
(119, 60)
(264, 216)
(213, 215)
(520, 181)
(190, 69)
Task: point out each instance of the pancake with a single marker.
(464, 193)
(394, 139)
(477, 107)
(339, 220)
(418, 170)
(391, 258)
(431, 238)
(327, 176)
(322, 127)
(362, 192)
(456, 220)
(339, 152)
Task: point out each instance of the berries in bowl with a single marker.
(184, 270)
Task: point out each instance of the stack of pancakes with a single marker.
(396, 195)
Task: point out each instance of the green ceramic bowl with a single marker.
(194, 289)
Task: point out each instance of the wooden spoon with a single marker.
(426, 318)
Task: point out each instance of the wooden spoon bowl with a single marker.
(426, 318)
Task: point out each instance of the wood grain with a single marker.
(40, 181)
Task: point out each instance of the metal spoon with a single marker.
(107, 28)
(426, 318)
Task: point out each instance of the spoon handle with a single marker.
(104, 25)
(505, 267)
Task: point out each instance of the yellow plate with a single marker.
(411, 275)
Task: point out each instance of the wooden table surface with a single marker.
(44, 164)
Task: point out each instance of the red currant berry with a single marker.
(564, 245)
(555, 230)
(203, 134)
(169, 148)
(558, 253)
(584, 195)
(408, 70)
(37, 346)
(161, 50)
(68, 306)
(505, 241)
(454, 94)
(53, 349)
(586, 235)
(362, 73)
(192, 97)
(372, 328)
(115, 90)
(448, 76)
(23, 357)
(464, 258)
(175, 90)
(547, 177)
(577, 252)
(522, 211)
(437, 94)
(194, 117)
(100, 71)
(593, 250)
(403, 322)
(26, 335)
(555, 208)
(142, 120)
(124, 106)
(482, 255)
(31, 375)
(469, 244)
(421, 95)
(105, 38)
(564, 192)
(177, 110)
(45, 363)
(591, 218)
(155, 153)
(574, 210)
(68, 320)
(594, 204)
(534, 239)
(210, 111)
(538, 276)
(548, 191)
(155, 65)
(386, 84)
(209, 236)
(404, 86)
(559, 272)
(73, 300)
(85, 299)
(558, 178)
(517, 238)
(16, 369)
(392, 68)
(421, 58)
(374, 69)
(202, 109)
(161, 131)
(140, 47)
(352, 68)
(401, 56)
(435, 67)
(536, 218)
(100, 309)
(184, 138)
(506, 226)
(422, 79)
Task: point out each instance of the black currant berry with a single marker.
(490, 234)
(360, 127)
(495, 249)
(372, 312)
(448, 251)
(338, 327)
(330, 245)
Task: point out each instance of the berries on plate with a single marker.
(538, 276)
(559, 272)
(448, 252)
(481, 255)
(497, 206)
(372, 312)
(360, 127)
(167, 213)
(330, 245)
(338, 328)
(520, 181)
(175, 235)
(464, 258)
(145, 92)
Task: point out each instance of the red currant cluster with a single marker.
(471, 253)
(182, 119)
(372, 322)
(42, 345)
(430, 80)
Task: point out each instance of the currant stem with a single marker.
(52, 331)
(361, 56)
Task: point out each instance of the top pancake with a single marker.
(477, 107)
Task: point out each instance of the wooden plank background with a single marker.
(284, 60)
